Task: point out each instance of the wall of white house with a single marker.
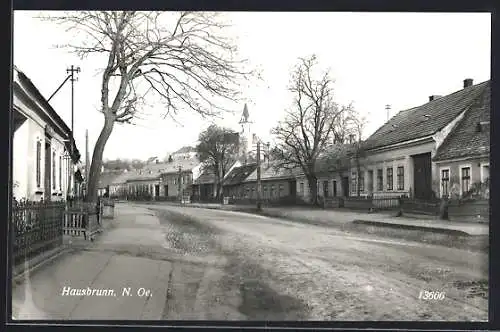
(24, 158)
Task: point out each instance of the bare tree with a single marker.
(217, 150)
(310, 124)
(180, 57)
(347, 142)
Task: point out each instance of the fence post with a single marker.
(400, 206)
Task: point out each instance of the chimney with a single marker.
(434, 97)
(467, 82)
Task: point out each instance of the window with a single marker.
(301, 188)
(175, 181)
(265, 190)
(380, 179)
(389, 179)
(281, 190)
(465, 179)
(353, 182)
(54, 170)
(445, 182)
(485, 172)
(325, 188)
(370, 180)
(334, 188)
(60, 173)
(273, 188)
(361, 181)
(38, 163)
(401, 177)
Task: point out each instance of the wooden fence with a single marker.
(37, 227)
(82, 219)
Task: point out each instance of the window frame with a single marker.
(38, 163)
(389, 184)
(400, 176)
(441, 191)
(482, 172)
(380, 179)
(461, 168)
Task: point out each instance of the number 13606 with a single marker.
(431, 295)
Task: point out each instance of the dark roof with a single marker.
(239, 174)
(206, 177)
(471, 136)
(424, 120)
(270, 172)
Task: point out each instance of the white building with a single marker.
(42, 166)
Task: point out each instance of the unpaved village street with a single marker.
(216, 265)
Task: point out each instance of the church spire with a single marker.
(244, 115)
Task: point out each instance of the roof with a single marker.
(469, 138)
(270, 172)
(107, 178)
(21, 84)
(122, 178)
(154, 171)
(239, 174)
(206, 177)
(424, 120)
(336, 158)
(185, 149)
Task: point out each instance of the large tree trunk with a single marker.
(95, 166)
(313, 189)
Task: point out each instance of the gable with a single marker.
(425, 120)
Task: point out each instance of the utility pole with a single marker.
(72, 72)
(259, 207)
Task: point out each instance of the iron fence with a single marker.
(37, 227)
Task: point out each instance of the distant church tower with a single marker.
(246, 133)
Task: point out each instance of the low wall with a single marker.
(469, 211)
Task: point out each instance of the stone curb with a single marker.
(412, 227)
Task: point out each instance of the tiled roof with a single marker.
(239, 174)
(269, 172)
(469, 138)
(153, 171)
(207, 177)
(424, 120)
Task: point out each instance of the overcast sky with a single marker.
(375, 58)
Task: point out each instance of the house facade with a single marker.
(332, 174)
(398, 159)
(463, 160)
(45, 157)
(276, 183)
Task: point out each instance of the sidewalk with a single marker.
(342, 216)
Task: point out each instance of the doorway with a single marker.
(345, 186)
(422, 177)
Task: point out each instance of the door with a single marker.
(334, 188)
(325, 189)
(165, 187)
(48, 168)
(345, 186)
(293, 188)
(422, 182)
(157, 190)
